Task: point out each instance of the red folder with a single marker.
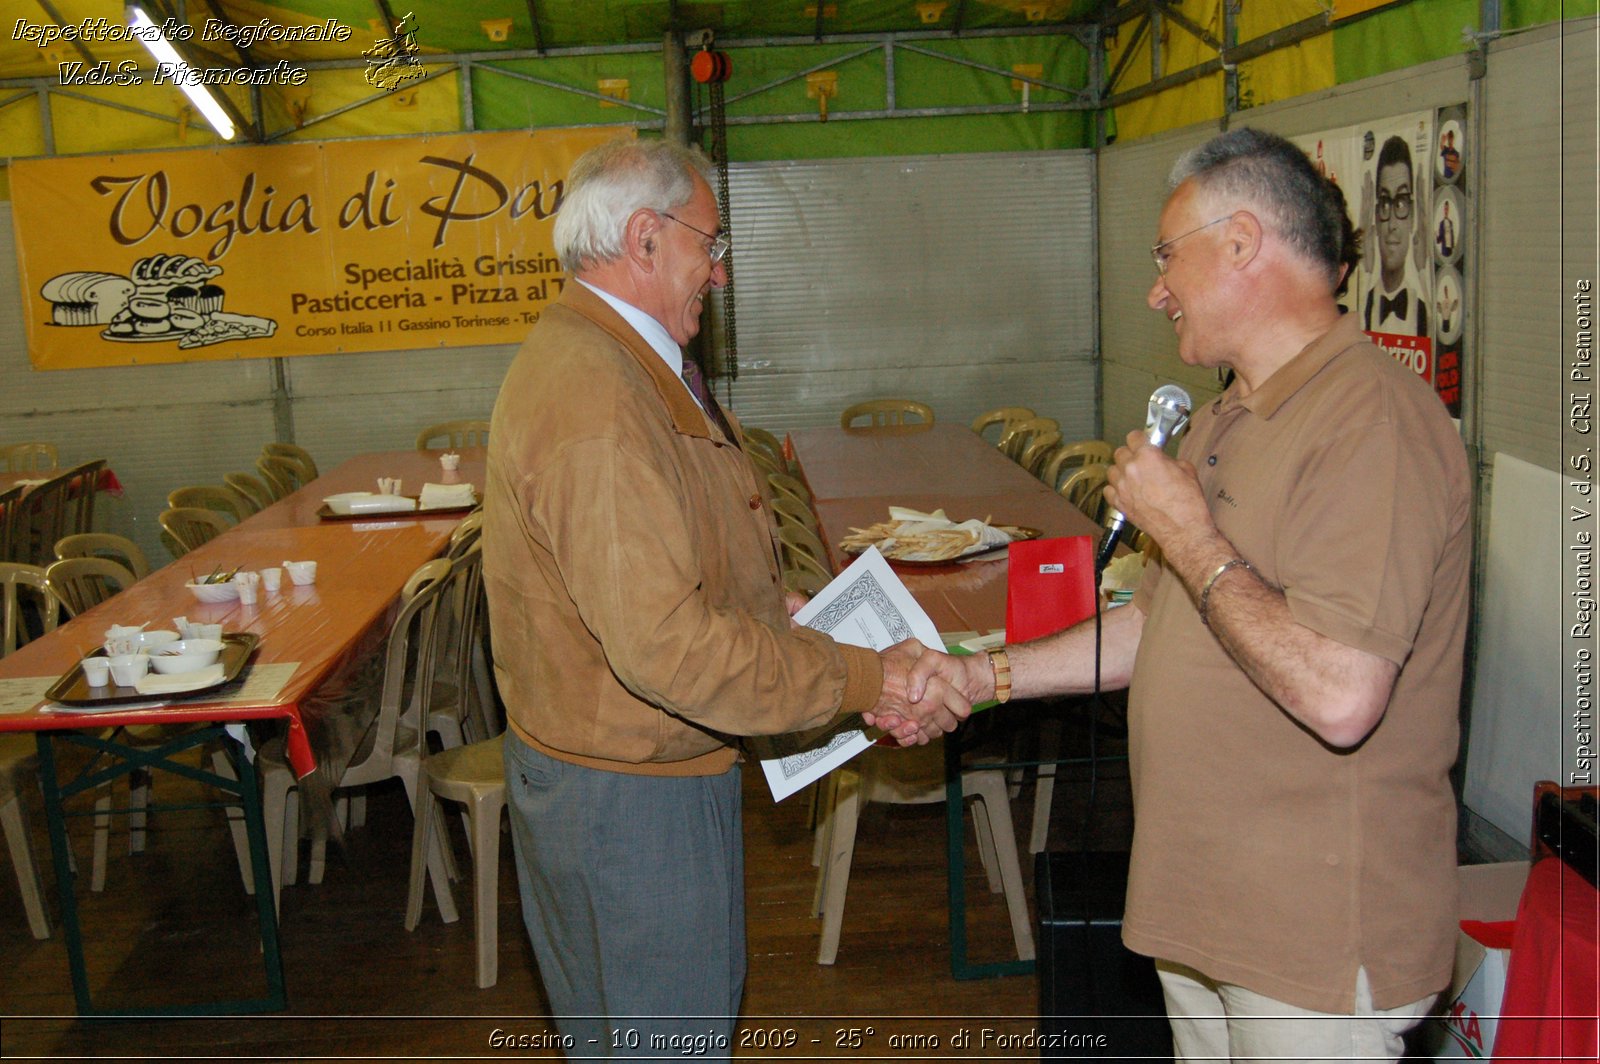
(1049, 586)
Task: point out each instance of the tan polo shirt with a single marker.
(1262, 856)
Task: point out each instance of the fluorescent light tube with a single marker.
(162, 49)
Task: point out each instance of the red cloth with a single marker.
(1551, 1010)
(1496, 934)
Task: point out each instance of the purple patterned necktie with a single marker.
(708, 402)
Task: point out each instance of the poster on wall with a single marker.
(298, 249)
(1403, 183)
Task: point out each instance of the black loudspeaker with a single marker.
(1096, 997)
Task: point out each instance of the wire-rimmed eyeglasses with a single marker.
(1158, 253)
(719, 245)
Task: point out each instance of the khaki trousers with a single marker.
(1219, 1021)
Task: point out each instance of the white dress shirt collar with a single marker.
(654, 333)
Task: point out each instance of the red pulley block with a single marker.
(708, 66)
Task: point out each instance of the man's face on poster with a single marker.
(1394, 221)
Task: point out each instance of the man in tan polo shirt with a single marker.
(1294, 661)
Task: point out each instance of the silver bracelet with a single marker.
(1211, 581)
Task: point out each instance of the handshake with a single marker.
(927, 693)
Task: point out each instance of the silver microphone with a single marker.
(1167, 416)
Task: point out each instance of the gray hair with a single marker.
(609, 183)
(1274, 177)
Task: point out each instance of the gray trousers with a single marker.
(633, 896)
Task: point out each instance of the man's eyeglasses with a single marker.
(719, 244)
(1399, 206)
(1159, 253)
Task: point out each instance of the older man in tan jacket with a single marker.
(640, 623)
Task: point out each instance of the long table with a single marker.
(315, 632)
(854, 476)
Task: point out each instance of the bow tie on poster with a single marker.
(1395, 307)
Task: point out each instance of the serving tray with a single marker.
(1017, 533)
(326, 514)
(73, 690)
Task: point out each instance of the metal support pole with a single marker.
(675, 71)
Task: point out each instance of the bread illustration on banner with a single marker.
(86, 298)
(164, 297)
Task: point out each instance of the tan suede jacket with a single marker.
(634, 589)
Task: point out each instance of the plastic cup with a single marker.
(450, 462)
(272, 578)
(302, 573)
(128, 669)
(96, 671)
(247, 594)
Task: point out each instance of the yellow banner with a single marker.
(300, 249)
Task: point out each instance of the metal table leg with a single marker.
(124, 759)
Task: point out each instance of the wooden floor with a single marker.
(175, 924)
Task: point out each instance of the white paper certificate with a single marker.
(864, 606)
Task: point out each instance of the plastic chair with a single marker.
(882, 412)
(1019, 434)
(120, 549)
(18, 753)
(812, 569)
(473, 775)
(1001, 416)
(83, 583)
(797, 539)
(33, 457)
(1071, 455)
(82, 490)
(760, 439)
(764, 462)
(453, 435)
(790, 509)
(805, 581)
(390, 749)
(224, 501)
(1084, 487)
(17, 582)
(250, 488)
(10, 510)
(914, 777)
(296, 454)
(1038, 451)
(43, 515)
(19, 764)
(191, 527)
(785, 485)
(456, 710)
(284, 476)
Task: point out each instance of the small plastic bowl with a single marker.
(186, 655)
(150, 641)
(224, 592)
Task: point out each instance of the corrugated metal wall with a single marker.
(1541, 117)
(967, 282)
